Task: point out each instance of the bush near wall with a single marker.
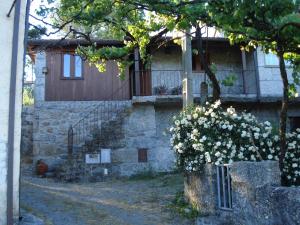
(210, 134)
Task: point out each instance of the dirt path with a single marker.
(131, 201)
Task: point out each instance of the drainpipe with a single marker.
(11, 119)
(258, 94)
(24, 62)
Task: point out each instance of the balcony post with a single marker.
(137, 72)
(244, 64)
(187, 76)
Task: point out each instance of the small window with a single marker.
(67, 65)
(78, 66)
(72, 66)
(294, 123)
(272, 60)
(142, 155)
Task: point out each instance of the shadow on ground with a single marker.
(138, 201)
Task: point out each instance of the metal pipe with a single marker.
(11, 121)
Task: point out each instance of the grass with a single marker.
(183, 208)
(35, 213)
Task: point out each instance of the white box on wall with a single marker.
(92, 158)
(105, 155)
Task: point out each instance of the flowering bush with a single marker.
(211, 135)
(291, 170)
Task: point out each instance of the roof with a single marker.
(51, 43)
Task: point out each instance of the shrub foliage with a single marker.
(210, 134)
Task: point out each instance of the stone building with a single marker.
(122, 125)
(12, 23)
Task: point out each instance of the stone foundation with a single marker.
(257, 197)
(27, 131)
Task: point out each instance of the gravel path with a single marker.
(129, 201)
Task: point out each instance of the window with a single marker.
(142, 155)
(196, 63)
(272, 60)
(294, 123)
(72, 66)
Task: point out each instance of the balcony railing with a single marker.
(169, 82)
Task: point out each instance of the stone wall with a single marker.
(143, 127)
(51, 123)
(27, 131)
(146, 127)
(257, 197)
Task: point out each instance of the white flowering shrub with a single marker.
(291, 170)
(210, 134)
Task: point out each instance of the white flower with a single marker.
(270, 157)
(189, 117)
(294, 165)
(218, 143)
(217, 154)
(195, 115)
(195, 131)
(207, 157)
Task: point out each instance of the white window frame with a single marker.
(70, 72)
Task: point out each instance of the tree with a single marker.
(141, 24)
(273, 25)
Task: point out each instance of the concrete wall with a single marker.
(6, 43)
(269, 77)
(166, 69)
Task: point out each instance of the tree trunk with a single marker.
(284, 108)
(204, 63)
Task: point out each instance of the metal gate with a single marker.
(224, 187)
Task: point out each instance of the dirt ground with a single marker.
(133, 201)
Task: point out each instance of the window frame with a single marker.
(72, 67)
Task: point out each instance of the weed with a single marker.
(183, 208)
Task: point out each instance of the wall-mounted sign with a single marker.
(105, 155)
(92, 158)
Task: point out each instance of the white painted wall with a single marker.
(6, 31)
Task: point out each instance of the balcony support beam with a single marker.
(244, 64)
(187, 76)
(137, 72)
